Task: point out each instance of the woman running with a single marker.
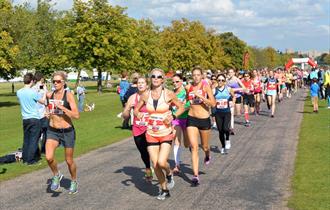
(139, 127)
(234, 83)
(223, 95)
(248, 97)
(180, 124)
(61, 108)
(198, 121)
(271, 89)
(214, 84)
(257, 90)
(159, 130)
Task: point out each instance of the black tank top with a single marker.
(65, 101)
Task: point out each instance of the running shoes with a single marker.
(163, 194)
(228, 145)
(170, 181)
(207, 160)
(55, 185)
(73, 188)
(195, 181)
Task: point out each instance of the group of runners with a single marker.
(162, 117)
(182, 116)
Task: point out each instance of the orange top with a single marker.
(158, 110)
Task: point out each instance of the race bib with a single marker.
(194, 99)
(144, 120)
(155, 123)
(222, 104)
(52, 106)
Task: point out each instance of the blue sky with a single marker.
(282, 24)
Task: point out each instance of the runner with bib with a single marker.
(139, 127)
(159, 129)
(223, 95)
(180, 124)
(61, 109)
(198, 122)
(271, 89)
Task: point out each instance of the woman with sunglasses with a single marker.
(139, 126)
(180, 124)
(198, 121)
(159, 133)
(62, 109)
(237, 86)
(223, 96)
(248, 97)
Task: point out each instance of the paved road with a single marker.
(254, 175)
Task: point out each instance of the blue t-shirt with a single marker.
(222, 98)
(315, 88)
(313, 75)
(124, 85)
(28, 98)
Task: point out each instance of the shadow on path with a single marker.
(137, 178)
(8, 104)
(65, 185)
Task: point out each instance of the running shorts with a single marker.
(248, 100)
(201, 124)
(180, 122)
(65, 136)
(238, 100)
(158, 140)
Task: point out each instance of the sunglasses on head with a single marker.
(221, 80)
(157, 76)
(57, 81)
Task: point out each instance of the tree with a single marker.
(184, 44)
(8, 49)
(99, 36)
(8, 53)
(234, 48)
(147, 52)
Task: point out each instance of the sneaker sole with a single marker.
(72, 193)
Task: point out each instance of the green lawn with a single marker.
(311, 181)
(94, 129)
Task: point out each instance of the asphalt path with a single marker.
(254, 175)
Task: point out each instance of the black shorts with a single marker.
(65, 137)
(248, 100)
(238, 100)
(201, 124)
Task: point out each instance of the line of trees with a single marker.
(96, 34)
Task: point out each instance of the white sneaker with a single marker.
(214, 126)
(119, 115)
(227, 144)
(222, 151)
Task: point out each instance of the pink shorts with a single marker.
(180, 122)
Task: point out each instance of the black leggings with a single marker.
(141, 144)
(223, 124)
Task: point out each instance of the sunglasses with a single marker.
(176, 81)
(246, 76)
(156, 76)
(213, 79)
(57, 81)
(221, 80)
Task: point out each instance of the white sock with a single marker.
(177, 154)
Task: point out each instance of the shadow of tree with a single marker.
(8, 104)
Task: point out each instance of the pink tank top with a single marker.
(140, 125)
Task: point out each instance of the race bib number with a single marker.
(222, 104)
(53, 108)
(194, 99)
(155, 123)
(144, 120)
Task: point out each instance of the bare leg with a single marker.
(193, 138)
(51, 146)
(70, 162)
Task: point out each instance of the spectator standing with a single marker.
(41, 88)
(81, 96)
(124, 85)
(29, 99)
(315, 88)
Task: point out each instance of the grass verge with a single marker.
(311, 180)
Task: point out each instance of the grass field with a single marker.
(311, 181)
(94, 129)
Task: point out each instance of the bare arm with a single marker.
(232, 93)
(129, 105)
(173, 99)
(139, 105)
(211, 100)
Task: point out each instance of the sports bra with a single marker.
(191, 96)
(140, 125)
(52, 107)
